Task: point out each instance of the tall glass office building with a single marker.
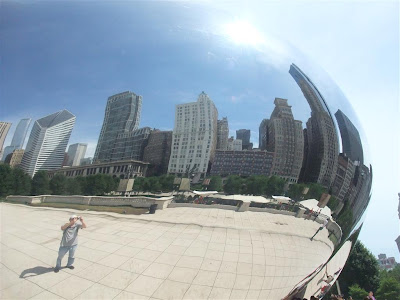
(18, 137)
(122, 116)
(47, 142)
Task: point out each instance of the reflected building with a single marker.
(322, 140)
(14, 159)
(244, 135)
(245, 163)
(121, 119)
(284, 136)
(76, 153)
(222, 134)
(194, 137)
(18, 137)
(234, 145)
(351, 141)
(262, 135)
(47, 142)
(4, 127)
(157, 152)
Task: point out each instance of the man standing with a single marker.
(69, 241)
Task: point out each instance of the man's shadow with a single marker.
(35, 271)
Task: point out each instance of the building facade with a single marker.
(244, 163)
(194, 138)
(76, 152)
(234, 145)
(130, 145)
(323, 145)
(122, 169)
(122, 117)
(157, 152)
(14, 159)
(244, 135)
(4, 127)
(18, 137)
(351, 141)
(222, 134)
(47, 142)
(284, 137)
(386, 263)
(262, 135)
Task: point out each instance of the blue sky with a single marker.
(74, 55)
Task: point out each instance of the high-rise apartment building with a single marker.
(47, 142)
(194, 138)
(158, 152)
(76, 153)
(284, 137)
(222, 134)
(244, 135)
(323, 145)
(121, 118)
(18, 137)
(4, 127)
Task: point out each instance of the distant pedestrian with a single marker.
(371, 296)
(69, 241)
(319, 229)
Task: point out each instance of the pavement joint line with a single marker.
(134, 217)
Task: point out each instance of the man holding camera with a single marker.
(69, 241)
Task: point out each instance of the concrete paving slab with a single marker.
(188, 253)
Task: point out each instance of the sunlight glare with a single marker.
(241, 32)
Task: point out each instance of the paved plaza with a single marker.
(176, 253)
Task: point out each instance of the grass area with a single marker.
(128, 210)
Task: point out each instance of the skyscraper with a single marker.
(262, 135)
(76, 153)
(244, 135)
(158, 152)
(122, 116)
(194, 137)
(351, 140)
(18, 137)
(323, 146)
(223, 134)
(284, 137)
(4, 127)
(47, 142)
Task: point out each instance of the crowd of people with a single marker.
(370, 296)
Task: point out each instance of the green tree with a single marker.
(20, 182)
(357, 293)
(75, 186)
(233, 185)
(58, 184)
(95, 185)
(361, 268)
(333, 203)
(296, 191)
(138, 184)
(5, 180)
(40, 183)
(256, 185)
(166, 182)
(215, 183)
(389, 289)
(275, 186)
(315, 191)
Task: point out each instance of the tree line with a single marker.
(361, 275)
(14, 181)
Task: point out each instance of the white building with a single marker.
(47, 142)
(4, 127)
(194, 137)
(76, 153)
(234, 145)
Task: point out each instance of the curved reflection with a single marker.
(292, 125)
